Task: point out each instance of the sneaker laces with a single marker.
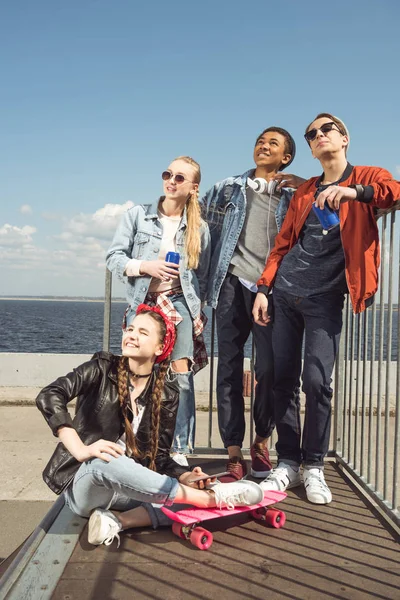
(227, 499)
(280, 476)
(316, 480)
(261, 450)
(234, 466)
(278, 473)
(114, 527)
(109, 540)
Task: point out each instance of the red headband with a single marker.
(170, 336)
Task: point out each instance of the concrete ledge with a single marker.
(37, 370)
(25, 396)
(22, 376)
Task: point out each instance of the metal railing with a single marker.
(366, 432)
(365, 438)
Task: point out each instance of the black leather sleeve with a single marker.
(52, 401)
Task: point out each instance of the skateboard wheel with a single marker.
(275, 518)
(201, 538)
(259, 514)
(177, 530)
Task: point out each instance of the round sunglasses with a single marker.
(166, 175)
(325, 128)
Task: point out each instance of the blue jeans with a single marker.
(319, 320)
(121, 484)
(185, 427)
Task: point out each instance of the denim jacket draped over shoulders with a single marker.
(224, 209)
(139, 236)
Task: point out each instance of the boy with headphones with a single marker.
(244, 214)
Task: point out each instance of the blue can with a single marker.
(327, 217)
(173, 257)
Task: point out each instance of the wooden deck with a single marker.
(340, 551)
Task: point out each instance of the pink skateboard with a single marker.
(187, 521)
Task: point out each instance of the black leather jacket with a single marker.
(98, 416)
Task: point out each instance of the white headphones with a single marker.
(262, 186)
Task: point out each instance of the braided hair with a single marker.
(132, 447)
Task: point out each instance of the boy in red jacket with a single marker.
(316, 260)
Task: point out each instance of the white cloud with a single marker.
(100, 224)
(25, 209)
(71, 256)
(16, 236)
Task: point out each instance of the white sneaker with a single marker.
(180, 459)
(103, 528)
(237, 493)
(282, 478)
(316, 489)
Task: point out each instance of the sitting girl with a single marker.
(115, 453)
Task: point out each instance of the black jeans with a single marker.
(234, 324)
(319, 319)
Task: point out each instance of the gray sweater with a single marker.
(257, 237)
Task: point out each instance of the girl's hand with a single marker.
(197, 485)
(101, 449)
(160, 269)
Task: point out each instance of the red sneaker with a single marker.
(237, 470)
(260, 462)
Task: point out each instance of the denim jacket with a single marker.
(224, 209)
(139, 236)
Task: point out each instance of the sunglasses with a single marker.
(325, 128)
(166, 175)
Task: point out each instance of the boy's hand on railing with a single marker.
(260, 310)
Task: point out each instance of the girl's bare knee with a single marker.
(182, 365)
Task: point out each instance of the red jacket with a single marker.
(358, 229)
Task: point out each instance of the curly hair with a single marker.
(290, 146)
(132, 447)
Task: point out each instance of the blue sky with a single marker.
(97, 97)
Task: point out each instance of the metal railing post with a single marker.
(107, 311)
(211, 390)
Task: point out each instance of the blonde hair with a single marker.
(194, 220)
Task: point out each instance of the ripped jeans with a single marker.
(186, 417)
(121, 484)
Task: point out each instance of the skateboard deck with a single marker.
(187, 521)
